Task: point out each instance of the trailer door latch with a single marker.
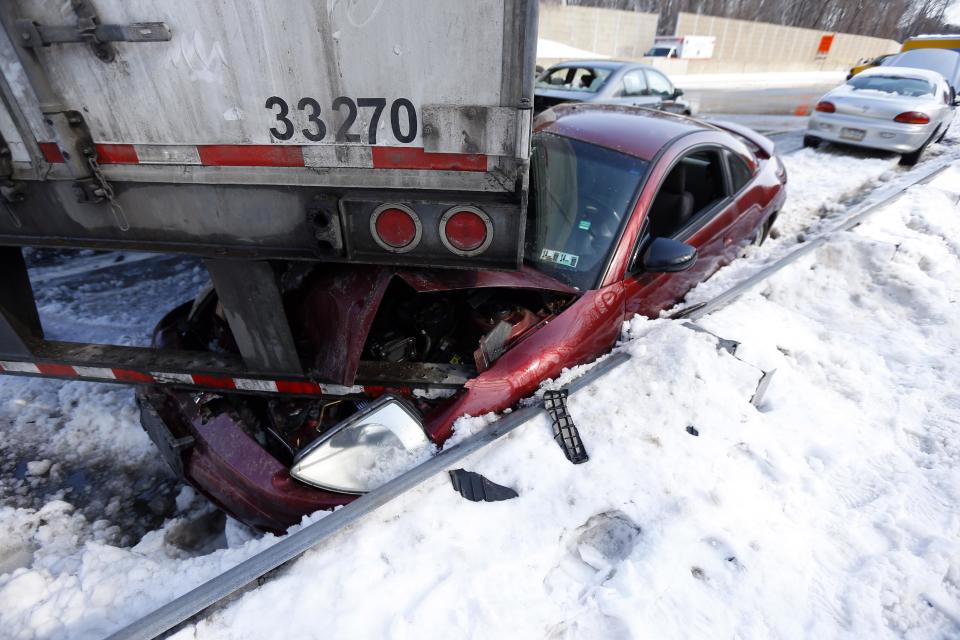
(88, 29)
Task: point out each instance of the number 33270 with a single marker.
(311, 125)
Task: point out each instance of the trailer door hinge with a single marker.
(88, 29)
(94, 188)
(11, 191)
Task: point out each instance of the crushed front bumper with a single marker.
(219, 458)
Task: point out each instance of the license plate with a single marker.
(852, 134)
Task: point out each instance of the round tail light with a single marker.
(826, 107)
(466, 231)
(913, 117)
(396, 228)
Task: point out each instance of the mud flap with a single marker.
(170, 447)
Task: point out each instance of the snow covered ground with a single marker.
(830, 510)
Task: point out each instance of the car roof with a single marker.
(945, 61)
(904, 72)
(635, 131)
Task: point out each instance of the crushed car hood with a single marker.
(342, 300)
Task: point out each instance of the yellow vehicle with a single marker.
(951, 41)
(867, 63)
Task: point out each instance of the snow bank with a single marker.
(827, 511)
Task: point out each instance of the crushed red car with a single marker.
(629, 209)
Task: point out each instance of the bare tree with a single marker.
(896, 19)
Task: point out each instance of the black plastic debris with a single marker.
(692, 430)
(565, 432)
(476, 488)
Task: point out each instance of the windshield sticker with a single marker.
(585, 225)
(559, 257)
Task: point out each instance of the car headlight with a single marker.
(366, 450)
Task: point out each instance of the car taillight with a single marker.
(825, 107)
(466, 231)
(913, 117)
(396, 227)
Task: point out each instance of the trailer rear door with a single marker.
(384, 131)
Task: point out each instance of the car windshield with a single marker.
(580, 195)
(915, 87)
(657, 52)
(586, 79)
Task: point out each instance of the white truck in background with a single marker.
(683, 47)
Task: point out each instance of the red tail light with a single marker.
(913, 117)
(466, 231)
(396, 228)
(825, 107)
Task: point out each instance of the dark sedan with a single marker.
(608, 82)
(629, 209)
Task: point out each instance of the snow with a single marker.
(828, 510)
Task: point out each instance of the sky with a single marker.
(953, 13)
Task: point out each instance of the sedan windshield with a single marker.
(914, 87)
(580, 196)
(584, 79)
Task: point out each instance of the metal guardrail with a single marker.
(215, 590)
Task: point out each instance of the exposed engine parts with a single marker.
(471, 326)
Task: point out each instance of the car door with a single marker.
(705, 227)
(748, 201)
(658, 85)
(633, 91)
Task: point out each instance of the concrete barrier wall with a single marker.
(617, 34)
(750, 47)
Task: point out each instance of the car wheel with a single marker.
(811, 142)
(764, 231)
(910, 159)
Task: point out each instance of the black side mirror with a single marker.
(666, 255)
(677, 93)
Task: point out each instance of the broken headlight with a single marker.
(366, 450)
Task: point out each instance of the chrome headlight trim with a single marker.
(406, 427)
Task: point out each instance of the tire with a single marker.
(811, 142)
(910, 159)
(764, 232)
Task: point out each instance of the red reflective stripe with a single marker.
(131, 376)
(250, 155)
(57, 370)
(417, 158)
(51, 152)
(292, 386)
(117, 154)
(213, 381)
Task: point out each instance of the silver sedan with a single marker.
(888, 108)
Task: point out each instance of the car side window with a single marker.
(634, 84)
(740, 172)
(659, 85)
(693, 187)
